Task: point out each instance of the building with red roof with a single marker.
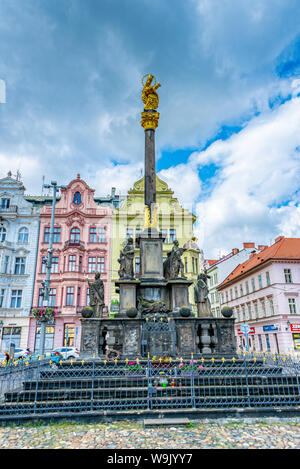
(264, 293)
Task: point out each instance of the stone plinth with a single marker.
(150, 242)
(128, 295)
(179, 293)
(177, 337)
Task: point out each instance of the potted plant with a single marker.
(44, 314)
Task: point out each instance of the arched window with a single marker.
(23, 235)
(77, 198)
(2, 234)
(75, 235)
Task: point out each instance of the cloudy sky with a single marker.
(228, 141)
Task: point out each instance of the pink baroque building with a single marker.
(82, 246)
(264, 292)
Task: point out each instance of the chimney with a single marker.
(279, 238)
(235, 251)
(249, 245)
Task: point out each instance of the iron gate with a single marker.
(158, 336)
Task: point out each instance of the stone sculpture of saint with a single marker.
(96, 294)
(201, 296)
(126, 260)
(173, 265)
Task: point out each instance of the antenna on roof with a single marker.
(43, 179)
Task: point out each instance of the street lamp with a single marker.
(46, 282)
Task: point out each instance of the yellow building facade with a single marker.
(174, 222)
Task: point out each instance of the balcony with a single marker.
(13, 209)
(76, 244)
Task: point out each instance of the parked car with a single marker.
(21, 353)
(67, 352)
(55, 357)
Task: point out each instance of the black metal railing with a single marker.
(78, 387)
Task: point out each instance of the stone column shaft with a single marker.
(150, 171)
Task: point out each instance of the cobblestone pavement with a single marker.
(227, 434)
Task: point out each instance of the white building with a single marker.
(218, 270)
(19, 227)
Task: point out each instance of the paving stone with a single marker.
(237, 434)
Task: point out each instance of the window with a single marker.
(6, 264)
(80, 264)
(5, 203)
(256, 310)
(231, 294)
(23, 235)
(54, 267)
(288, 276)
(102, 233)
(263, 307)
(52, 296)
(137, 232)
(87, 296)
(75, 235)
(2, 292)
(260, 281)
(247, 287)
(92, 265)
(193, 266)
(41, 297)
(164, 233)
(241, 290)
(16, 299)
(11, 335)
(20, 266)
(2, 234)
(253, 284)
(249, 311)
(100, 264)
(238, 313)
(46, 234)
(43, 266)
(268, 278)
(77, 198)
(244, 313)
(271, 305)
(292, 306)
(129, 233)
(72, 263)
(236, 292)
(186, 265)
(172, 235)
(196, 265)
(70, 296)
(226, 294)
(93, 235)
(69, 335)
(56, 234)
(49, 338)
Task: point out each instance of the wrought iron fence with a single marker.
(88, 387)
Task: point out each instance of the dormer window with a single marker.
(77, 198)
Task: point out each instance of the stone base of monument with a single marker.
(157, 335)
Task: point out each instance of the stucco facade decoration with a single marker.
(174, 222)
(19, 229)
(82, 246)
(264, 293)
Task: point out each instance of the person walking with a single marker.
(7, 357)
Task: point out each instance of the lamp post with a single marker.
(46, 282)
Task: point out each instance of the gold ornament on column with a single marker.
(150, 99)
